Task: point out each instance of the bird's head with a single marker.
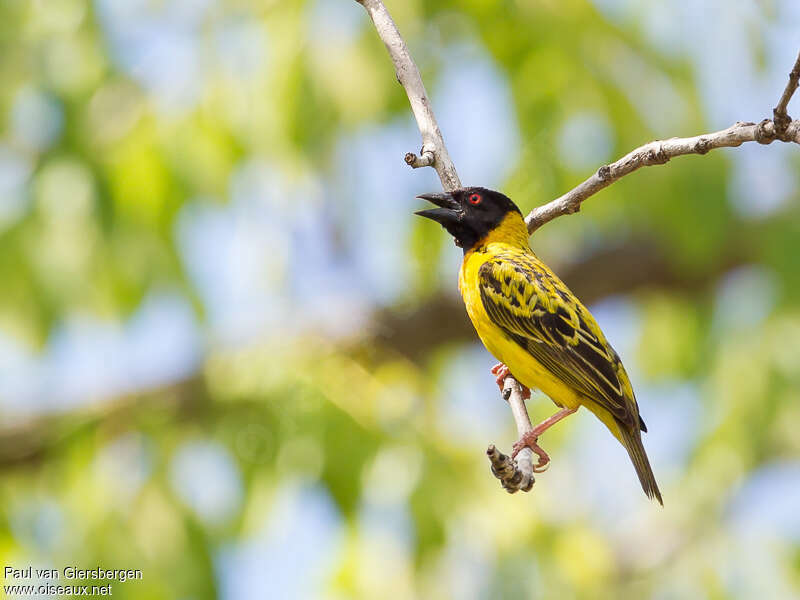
(469, 214)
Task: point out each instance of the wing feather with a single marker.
(536, 310)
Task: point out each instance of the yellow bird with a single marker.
(530, 321)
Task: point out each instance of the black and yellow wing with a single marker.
(535, 309)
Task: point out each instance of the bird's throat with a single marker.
(511, 230)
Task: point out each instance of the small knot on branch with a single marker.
(656, 156)
(604, 173)
(781, 120)
(426, 159)
(702, 146)
(792, 133)
(506, 470)
(765, 132)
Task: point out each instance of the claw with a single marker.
(529, 440)
(501, 371)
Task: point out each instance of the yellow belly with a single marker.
(526, 369)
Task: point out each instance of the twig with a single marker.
(779, 114)
(434, 153)
(512, 477)
(659, 152)
(517, 475)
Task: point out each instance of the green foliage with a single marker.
(357, 419)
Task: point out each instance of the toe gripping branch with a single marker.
(514, 474)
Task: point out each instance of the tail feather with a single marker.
(632, 440)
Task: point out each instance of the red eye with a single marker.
(475, 199)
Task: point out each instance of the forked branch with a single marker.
(779, 114)
(658, 153)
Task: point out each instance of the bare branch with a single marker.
(658, 153)
(426, 160)
(779, 114)
(434, 152)
(514, 476)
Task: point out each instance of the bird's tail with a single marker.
(632, 440)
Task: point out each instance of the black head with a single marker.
(468, 214)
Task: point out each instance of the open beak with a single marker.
(448, 212)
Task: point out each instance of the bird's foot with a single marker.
(530, 440)
(501, 371)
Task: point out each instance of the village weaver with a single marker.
(530, 321)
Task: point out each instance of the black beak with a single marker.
(449, 211)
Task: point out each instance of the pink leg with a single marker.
(550, 421)
(502, 372)
(531, 438)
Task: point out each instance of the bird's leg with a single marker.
(530, 439)
(502, 372)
